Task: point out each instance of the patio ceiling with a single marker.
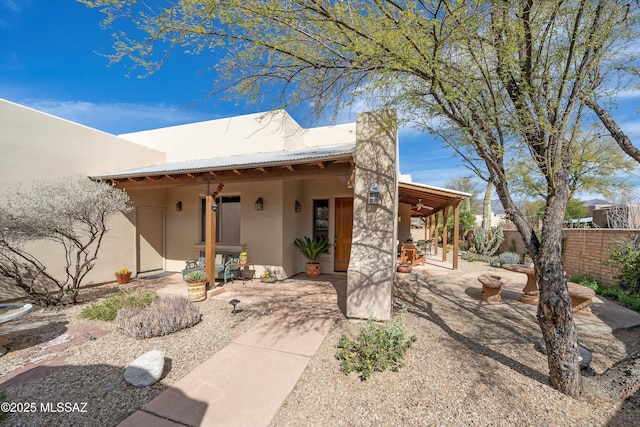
(430, 200)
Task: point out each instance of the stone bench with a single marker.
(491, 286)
(581, 298)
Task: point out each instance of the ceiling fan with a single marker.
(419, 205)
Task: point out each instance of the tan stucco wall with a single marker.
(268, 234)
(404, 226)
(38, 146)
(373, 250)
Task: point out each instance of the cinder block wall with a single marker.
(586, 250)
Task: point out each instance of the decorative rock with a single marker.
(146, 369)
(584, 358)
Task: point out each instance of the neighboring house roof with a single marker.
(245, 161)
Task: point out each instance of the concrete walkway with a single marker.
(245, 383)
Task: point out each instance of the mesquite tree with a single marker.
(73, 214)
(508, 76)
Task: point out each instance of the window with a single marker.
(227, 219)
(321, 218)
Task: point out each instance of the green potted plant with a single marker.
(123, 276)
(197, 285)
(312, 249)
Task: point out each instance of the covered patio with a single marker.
(432, 206)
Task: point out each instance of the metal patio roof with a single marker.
(266, 159)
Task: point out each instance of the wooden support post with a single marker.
(210, 236)
(456, 234)
(444, 233)
(435, 233)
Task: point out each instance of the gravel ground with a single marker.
(465, 369)
(92, 371)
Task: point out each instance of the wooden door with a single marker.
(344, 228)
(150, 238)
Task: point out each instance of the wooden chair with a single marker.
(409, 255)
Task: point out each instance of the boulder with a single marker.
(584, 358)
(146, 369)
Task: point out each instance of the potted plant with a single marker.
(268, 277)
(123, 276)
(197, 285)
(312, 249)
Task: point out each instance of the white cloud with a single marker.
(117, 117)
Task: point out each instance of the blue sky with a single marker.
(50, 61)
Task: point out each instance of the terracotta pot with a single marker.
(313, 270)
(404, 268)
(123, 278)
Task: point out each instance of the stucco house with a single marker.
(268, 179)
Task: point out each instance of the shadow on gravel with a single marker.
(94, 395)
(409, 292)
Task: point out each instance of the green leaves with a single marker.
(378, 347)
(312, 248)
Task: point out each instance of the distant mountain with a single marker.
(594, 202)
(496, 207)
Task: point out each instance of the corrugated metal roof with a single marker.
(273, 158)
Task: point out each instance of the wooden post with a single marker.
(435, 234)
(456, 234)
(210, 236)
(444, 233)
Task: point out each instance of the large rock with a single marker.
(146, 369)
(584, 358)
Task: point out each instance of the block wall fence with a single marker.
(586, 250)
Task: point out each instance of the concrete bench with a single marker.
(491, 286)
(581, 298)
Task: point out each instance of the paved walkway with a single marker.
(246, 382)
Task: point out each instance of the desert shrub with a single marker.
(108, 309)
(162, 317)
(494, 261)
(487, 242)
(378, 347)
(509, 258)
(626, 259)
(624, 297)
(196, 277)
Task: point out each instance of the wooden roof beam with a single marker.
(237, 172)
(261, 169)
(291, 169)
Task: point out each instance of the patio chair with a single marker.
(199, 264)
(194, 264)
(409, 255)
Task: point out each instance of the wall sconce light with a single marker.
(298, 206)
(179, 206)
(399, 218)
(374, 194)
(214, 207)
(259, 204)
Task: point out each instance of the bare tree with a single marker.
(72, 213)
